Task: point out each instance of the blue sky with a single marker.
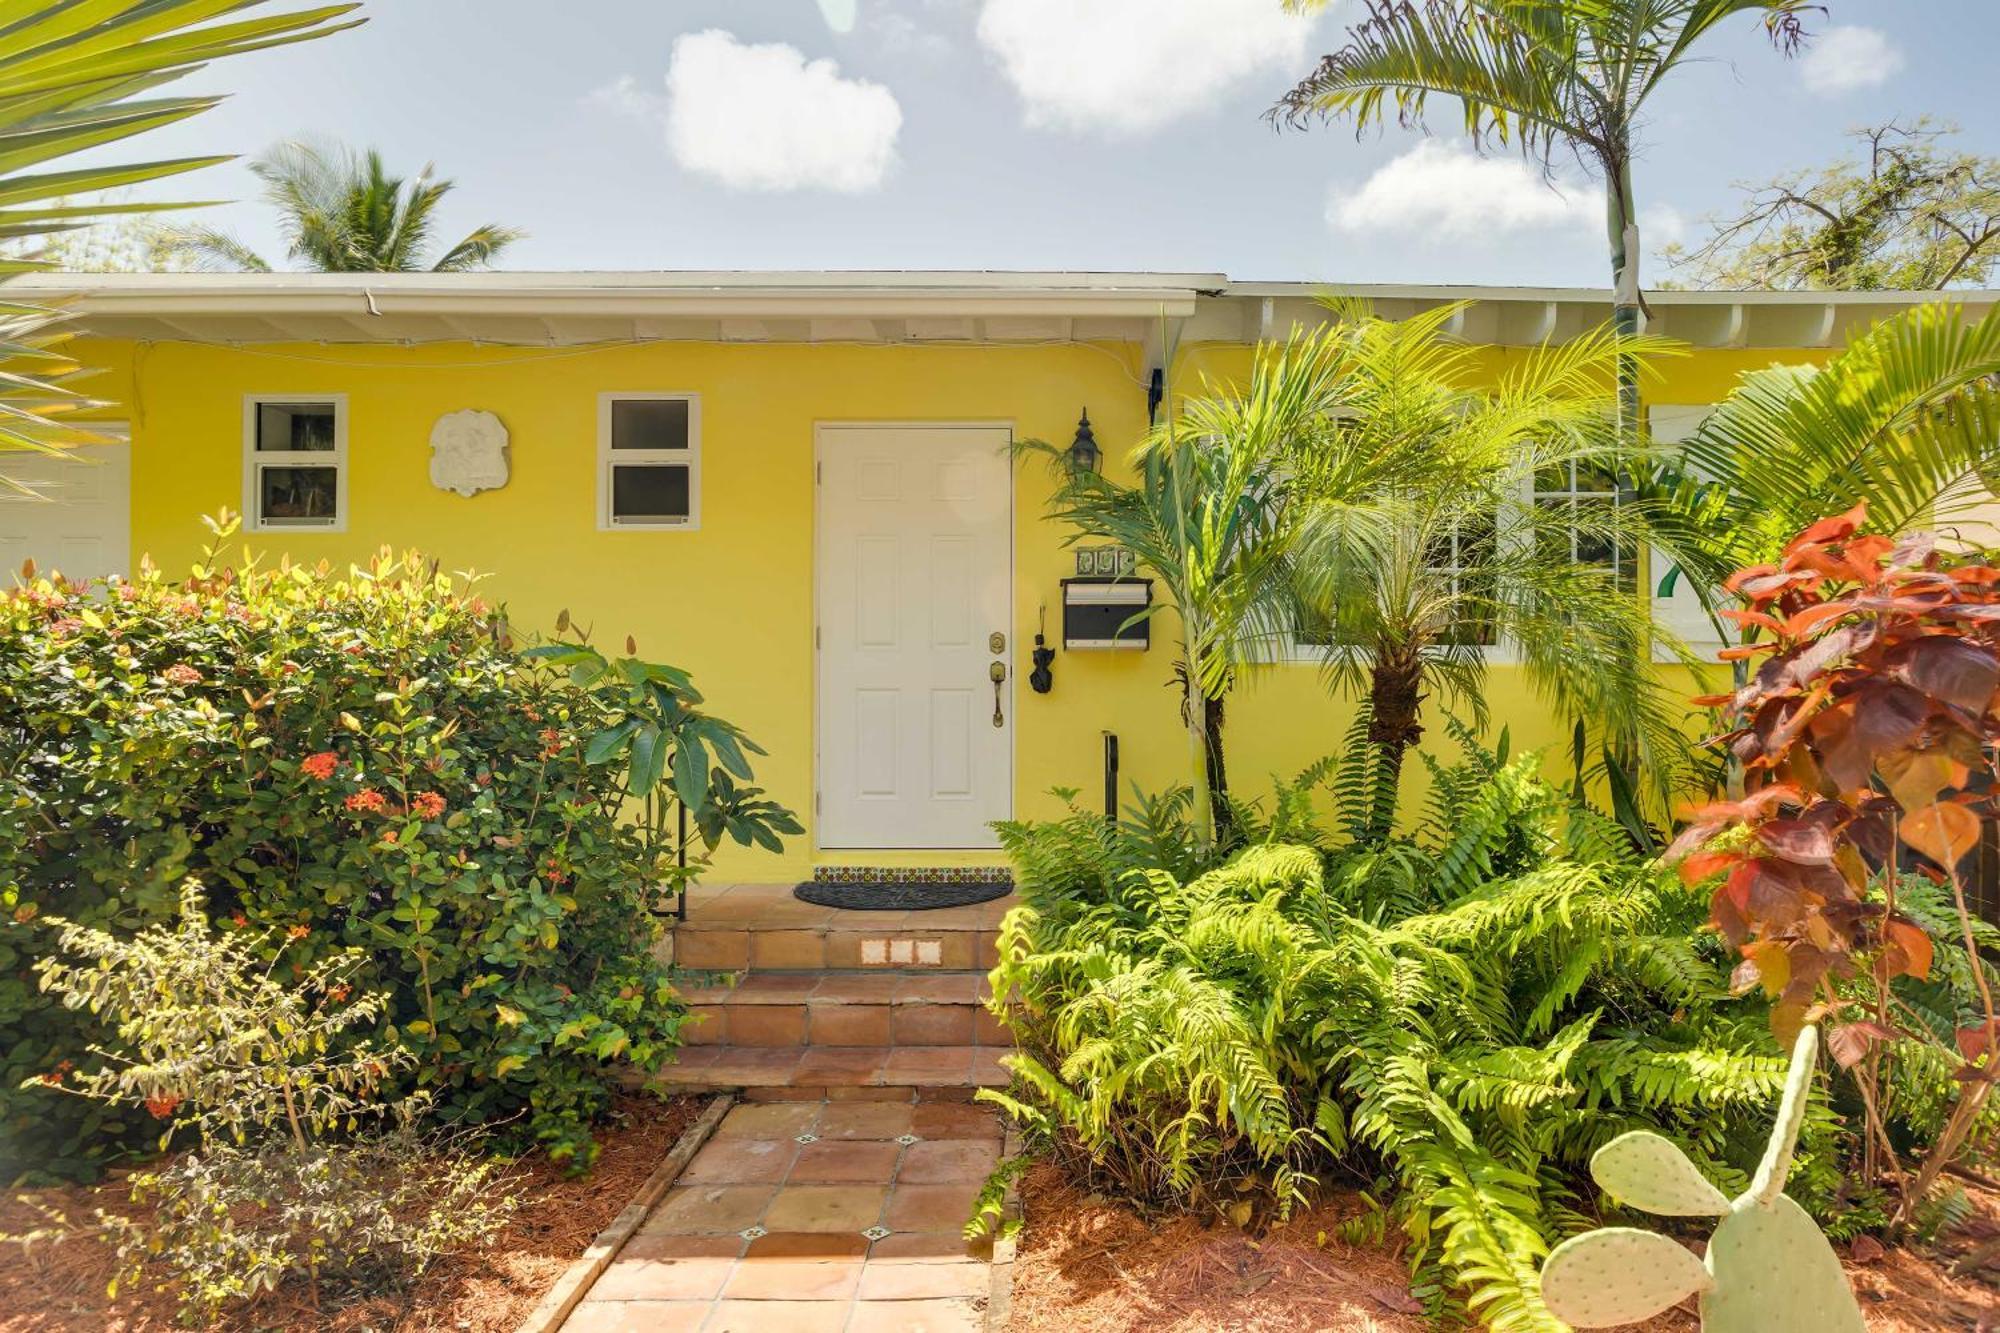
(1070, 134)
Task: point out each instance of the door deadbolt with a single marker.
(996, 642)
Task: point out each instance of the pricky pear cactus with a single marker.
(1769, 1270)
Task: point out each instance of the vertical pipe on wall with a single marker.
(1111, 777)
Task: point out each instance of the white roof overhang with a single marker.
(545, 309)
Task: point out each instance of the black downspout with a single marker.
(1111, 777)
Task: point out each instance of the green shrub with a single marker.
(1463, 1016)
(355, 761)
(287, 1176)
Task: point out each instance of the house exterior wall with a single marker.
(733, 600)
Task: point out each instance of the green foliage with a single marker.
(206, 1035)
(230, 1223)
(1912, 213)
(1407, 594)
(342, 212)
(358, 762)
(1768, 1268)
(678, 764)
(74, 78)
(1472, 1011)
(1895, 422)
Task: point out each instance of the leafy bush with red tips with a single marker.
(1863, 734)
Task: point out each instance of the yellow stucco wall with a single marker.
(733, 601)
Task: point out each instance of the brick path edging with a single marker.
(1000, 1286)
(570, 1289)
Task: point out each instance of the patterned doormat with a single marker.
(885, 889)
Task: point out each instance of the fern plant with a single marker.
(1469, 1010)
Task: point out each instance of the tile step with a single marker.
(845, 1010)
(835, 1067)
(732, 948)
(849, 987)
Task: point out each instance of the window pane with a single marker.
(649, 423)
(297, 495)
(1466, 560)
(640, 492)
(286, 427)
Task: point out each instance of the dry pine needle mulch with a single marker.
(59, 1287)
(1090, 1265)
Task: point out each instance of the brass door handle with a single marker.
(998, 674)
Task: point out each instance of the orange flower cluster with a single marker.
(320, 766)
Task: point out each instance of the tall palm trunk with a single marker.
(1628, 314)
(1395, 701)
(1217, 771)
(1197, 729)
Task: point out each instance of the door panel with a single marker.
(82, 525)
(915, 555)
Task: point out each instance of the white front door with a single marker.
(915, 559)
(82, 522)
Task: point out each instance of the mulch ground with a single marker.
(58, 1287)
(1090, 1265)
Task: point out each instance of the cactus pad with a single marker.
(1618, 1275)
(1646, 1171)
(1775, 1273)
(1769, 1269)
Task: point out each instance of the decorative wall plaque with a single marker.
(1105, 561)
(468, 452)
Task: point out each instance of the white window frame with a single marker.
(1517, 508)
(607, 458)
(1672, 425)
(255, 459)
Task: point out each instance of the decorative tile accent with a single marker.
(753, 1233)
(930, 953)
(907, 1139)
(912, 874)
(878, 1233)
(806, 1138)
(902, 952)
(874, 953)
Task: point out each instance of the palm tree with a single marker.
(74, 78)
(1539, 74)
(1207, 517)
(343, 213)
(1905, 419)
(1491, 547)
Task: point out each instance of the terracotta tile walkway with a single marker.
(842, 1216)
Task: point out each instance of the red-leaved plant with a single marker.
(1863, 734)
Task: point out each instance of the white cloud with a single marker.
(763, 117)
(1126, 66)
(902, 37)
(1845, 59)
(1662, 224)
(1445, 190)
(627, 98)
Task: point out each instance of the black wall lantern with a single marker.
(1083, 454)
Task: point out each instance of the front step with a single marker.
(832, 1002)
(834, 1067)
(780, 1009)
(732, 927)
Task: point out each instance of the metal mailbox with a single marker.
(1096, 612)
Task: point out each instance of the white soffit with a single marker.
(566, 309)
